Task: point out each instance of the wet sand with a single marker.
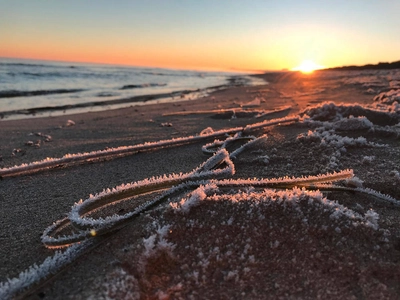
(302, 265)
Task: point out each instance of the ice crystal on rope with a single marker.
(194, 198)
(35, 273)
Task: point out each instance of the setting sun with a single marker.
(307, 66)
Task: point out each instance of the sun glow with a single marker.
(307, 66)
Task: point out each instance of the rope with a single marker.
(93, 156)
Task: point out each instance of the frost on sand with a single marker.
(287, 236)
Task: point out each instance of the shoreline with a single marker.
(32, 112)
(340, 261)
(173, 97)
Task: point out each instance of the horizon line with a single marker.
(198, 69)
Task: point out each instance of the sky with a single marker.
(252, 35)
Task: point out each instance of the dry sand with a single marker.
(221, 249)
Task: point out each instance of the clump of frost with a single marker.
(121, 285)
(167, 295)
(232, 275)
(391, 109)
(206, 131)
(328, 138)
(265, 159)
(352, 124)
(304, 204)
(366, 160)
(395, 174)
(354, 182)
(379, 113)
(335, 145)
(194, 198)
(157, 242)
(371, 219)
(149, 245)
(389, 97)
(327, 111)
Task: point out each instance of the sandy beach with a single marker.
(245, 242)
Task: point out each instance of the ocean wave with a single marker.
(13, 64)
(14, 93)
(144, 85)
(107, 94)
(61, 74)
(91, 104)
(180, 74)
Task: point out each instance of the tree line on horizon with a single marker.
(379, 66)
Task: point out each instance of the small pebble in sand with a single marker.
(70, 123)
(47, 138)
(18, 150)
(29, 143)
(166, 124)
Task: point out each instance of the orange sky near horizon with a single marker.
(209, 36)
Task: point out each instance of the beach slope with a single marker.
(308, 209)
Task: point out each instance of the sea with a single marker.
(30, 88)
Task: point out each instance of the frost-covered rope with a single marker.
(81, 158)
(217, 166)
(209, 172)
(211, 148)
(258, 112)
(50, 267)
(368, 191)
(206, 174)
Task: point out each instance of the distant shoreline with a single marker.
(379, 66)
